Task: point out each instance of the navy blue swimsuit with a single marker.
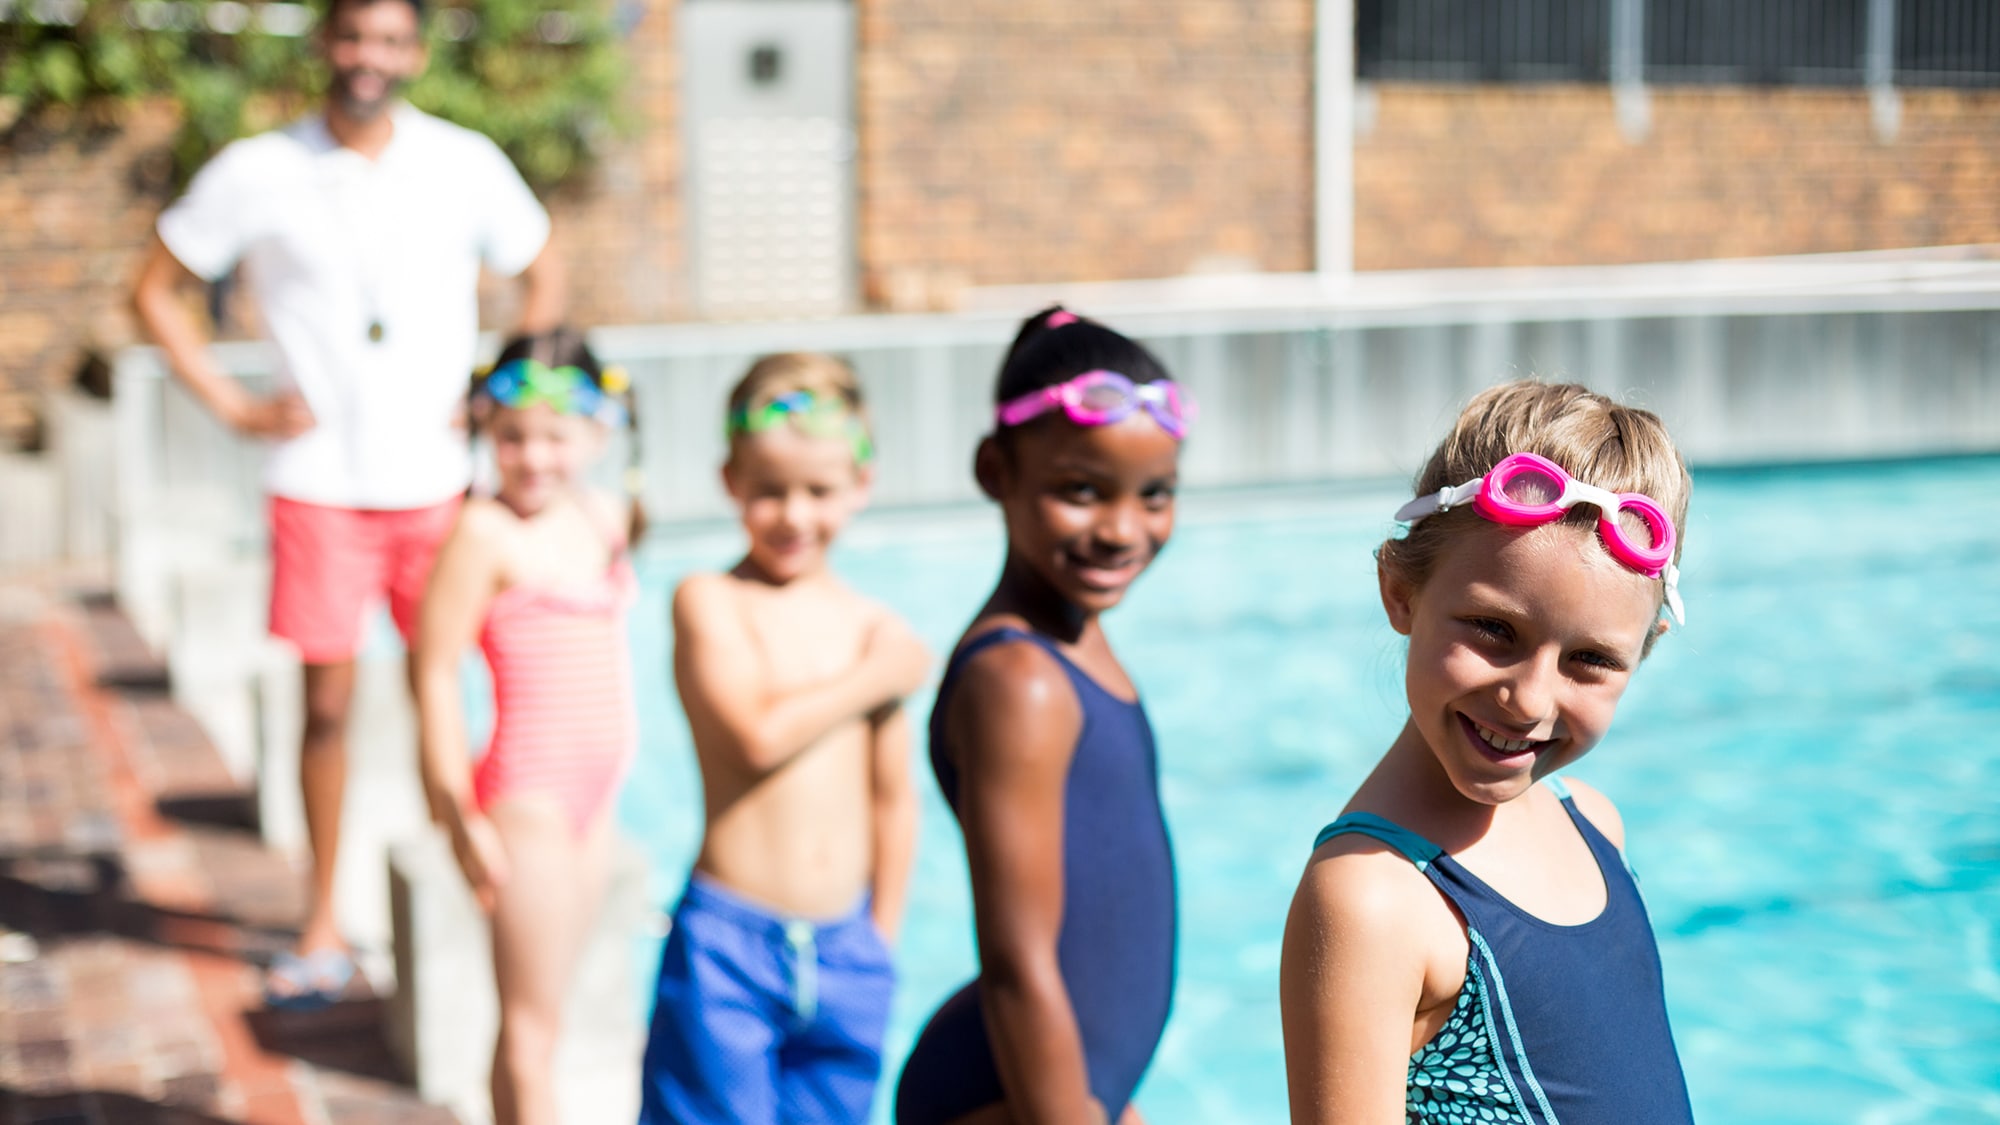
(1116, 947)
(1555, 1024)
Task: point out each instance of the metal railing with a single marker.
(1686, 42)
(1481, 41)
(1756, 42)
(1947, 43)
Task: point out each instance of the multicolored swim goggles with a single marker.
(1103, 398)
(821, 415)
(1527, 490)
(566, 390)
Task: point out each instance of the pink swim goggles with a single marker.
(1102, 398)
(1527, 490)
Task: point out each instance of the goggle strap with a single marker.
(1443, 500)
(1671, 578)
(1015, 411)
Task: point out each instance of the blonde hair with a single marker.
(774, 376)
(1597, 440)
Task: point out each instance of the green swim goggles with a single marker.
(815, 414)
(565, 390)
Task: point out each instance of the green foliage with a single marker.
(541, 77)
(71, 55)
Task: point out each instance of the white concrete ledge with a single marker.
(30, 511)
(57, 506)
(218, 653)
(1306, 378)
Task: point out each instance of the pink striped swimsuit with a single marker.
(564, 722)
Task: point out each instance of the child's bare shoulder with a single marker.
(1361, 886)
(706, 588)
(605, 511)
(706, 601)
(484, 521)
(1365, 918)
(1015, 677)
(1598, 810)
(1362, 866)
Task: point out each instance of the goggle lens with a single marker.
(1639, 527)
(1640, 534)
(1104, 397)
(1531, 487)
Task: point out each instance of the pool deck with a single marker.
(137, 903)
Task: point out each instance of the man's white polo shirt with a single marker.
(335, 245)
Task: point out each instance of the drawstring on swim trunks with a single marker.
(805, 968)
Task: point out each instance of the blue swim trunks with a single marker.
(762, 1019)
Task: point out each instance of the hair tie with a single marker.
(1059, 318)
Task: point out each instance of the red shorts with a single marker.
(328, 565)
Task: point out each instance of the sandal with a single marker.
(307, 982)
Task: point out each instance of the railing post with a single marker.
(1878, 69)
(1333, 138)
(1628, 68)
(139, 556)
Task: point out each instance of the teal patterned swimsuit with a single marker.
(1556, 1025)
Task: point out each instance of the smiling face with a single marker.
(1521, 643)
(1087, 507)
(539, 453)
(796, 491)
(373, 48)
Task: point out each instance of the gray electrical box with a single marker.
(770, 143)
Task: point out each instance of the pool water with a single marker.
(1809, 776)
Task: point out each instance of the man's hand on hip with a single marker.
(278, 417)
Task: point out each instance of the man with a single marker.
(360, 231)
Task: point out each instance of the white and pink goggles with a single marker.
(1102, 398)
(1527, 490)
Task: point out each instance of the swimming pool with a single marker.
(1808, 776)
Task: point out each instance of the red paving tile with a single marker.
(143, 1004)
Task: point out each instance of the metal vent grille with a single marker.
(770, 136)
(772, 194)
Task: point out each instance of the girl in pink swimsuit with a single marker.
(537, 574)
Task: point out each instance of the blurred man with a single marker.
(361, 231)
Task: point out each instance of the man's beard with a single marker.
(365, 109)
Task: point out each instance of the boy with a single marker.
(775, 984)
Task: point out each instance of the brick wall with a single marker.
(75, 214)
(622, 233)
(1018, 140)
(1509, 176)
